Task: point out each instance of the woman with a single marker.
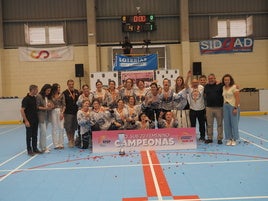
(151, 104)
(181, 105)
(140, 92)
(144, 122)
(166, 96)
(83, 119)
(127, 90)
(57, 117)
(86, 95)
(120, 114)
(168, 121)
(101, 119)
(231, 110)
(112, 95)
(100, 93)
(133, 113)
(44, 105)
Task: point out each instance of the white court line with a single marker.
(17, 155)
(154, 177)
(261, 118)
(254, 144)
(4, 132)
(138, 165)
(13, 157)
(17, 168)
(228, 198)
(247, 133)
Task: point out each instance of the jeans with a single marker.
(230, 122)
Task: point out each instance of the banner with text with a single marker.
(137, 140)
(127, 63)
(226, 45)
(46, 54)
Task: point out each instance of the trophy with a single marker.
(121, 138)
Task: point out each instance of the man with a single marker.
(70, 120)
(214, 109)
(30, 119)
(203, 80)
(197, 105)
(127, 46)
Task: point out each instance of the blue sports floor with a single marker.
(210, 172)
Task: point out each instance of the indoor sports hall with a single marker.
(209, 172)
(94, 43)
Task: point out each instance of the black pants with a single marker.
(31, 136)
(200, 116)
(86, 140)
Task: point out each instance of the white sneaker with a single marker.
(233, 143)
(47, 150)
(229, 143)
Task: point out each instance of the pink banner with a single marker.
(137, 140)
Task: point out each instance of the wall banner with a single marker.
(127, 63)
(46, 54)
(137, 140)
(226, 45)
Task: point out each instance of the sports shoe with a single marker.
(202, 139)
(208, 141)
(233, 143)
(30, 153)
(229, 143)
(37, 151)
(219, 141)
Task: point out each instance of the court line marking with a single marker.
(161, 178)
(254, 144)
(228, 198)
(250, 134)
(17, 168)
(137, 165)
(17, 155)
(4, 132)
(154, 177)
(261, 118)
(13, 157)
(147, 174)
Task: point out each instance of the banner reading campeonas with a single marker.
(46, 54)
(150, 139)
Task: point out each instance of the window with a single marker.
(44, 35)
(222, 28)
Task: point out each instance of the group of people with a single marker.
(130, 106)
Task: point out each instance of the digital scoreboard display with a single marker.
(138, 23)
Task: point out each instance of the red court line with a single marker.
(161, 178)
(186, 197)
(135, 199)
(148, 177)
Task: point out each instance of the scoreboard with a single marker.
(138, 23)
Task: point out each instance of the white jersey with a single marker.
(196, 98)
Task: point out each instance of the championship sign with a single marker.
(137, 140)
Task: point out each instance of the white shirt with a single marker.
(196, 98)
(228, 95)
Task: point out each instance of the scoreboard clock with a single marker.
(138, 23)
